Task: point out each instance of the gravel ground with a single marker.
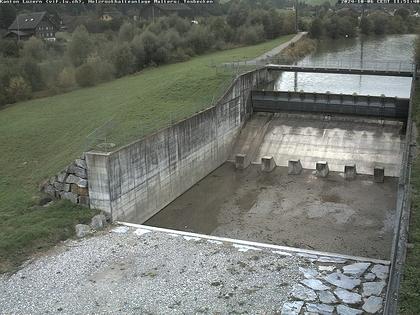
(138, 271)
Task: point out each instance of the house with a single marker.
(37, 24)
(110, 15)
(156, 10)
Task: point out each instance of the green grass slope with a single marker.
(410, 286)
(39, 137)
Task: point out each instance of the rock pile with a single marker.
(338, 287)
(70, 184)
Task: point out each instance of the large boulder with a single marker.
(98, 222)
(73, 179)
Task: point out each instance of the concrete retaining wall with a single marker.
(138, 180)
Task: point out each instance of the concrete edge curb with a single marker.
(255, 244)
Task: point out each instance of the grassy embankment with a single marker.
(410, 287)
(39, 137)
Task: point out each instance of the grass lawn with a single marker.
(40, 137)
(410, 287)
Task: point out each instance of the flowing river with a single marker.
(392, 52)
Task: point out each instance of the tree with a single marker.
(365, 25)
(32, 73)
(86, 75)
(237, 15)
(403, 12)
(137, 48)
(272, 25)
(18, 89)
(66, 79)
(9, 48)
(315, 31)
(126, 32)
(123, 60)
(80, 46)
(34, 48)
(7, 15)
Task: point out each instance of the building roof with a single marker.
(172, 6)
(27, 21)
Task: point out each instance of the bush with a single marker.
(137, 49)
(32, 73)
(34, 48)
(126, 32)
(123, 60)
(80, 46)
(18, 89)
(316, 29)
(104, 70)
(86, 75)
(251, 34)
(199, 38)
(66, 79)
(9, 48)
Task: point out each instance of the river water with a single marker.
(392, 52)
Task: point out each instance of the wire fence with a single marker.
(114, 132)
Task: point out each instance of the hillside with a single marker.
(39, 137)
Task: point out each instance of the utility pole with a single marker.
(296, 16)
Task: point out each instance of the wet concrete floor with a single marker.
(332, 214)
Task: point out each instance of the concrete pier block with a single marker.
(241, 161)
(268, 163)
(322, 169)
(295, 167)
(378, 174)
(350, 171)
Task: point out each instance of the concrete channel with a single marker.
(226, 172)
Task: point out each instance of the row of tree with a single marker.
(89, 58)
(346, 23)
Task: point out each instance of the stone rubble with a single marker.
(372, 288)
(356, 269)
(340, 286)
(347, 296)
(70, 184)
(292, 308)
(327, 297)
(380, 271)
(342, 281)
(82, 230)
(315, 284)
(345, 310)
(302, 293)
(372, 304)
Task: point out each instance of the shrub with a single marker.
(123, 60)
(251, 34)
(32, 73)
(137, 48)
(80, 46)
(34, 48)
(66, 79)
(86, 75)
(9, 48)
(18, 89)
(126, 32)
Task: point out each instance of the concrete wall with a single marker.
(136, 181)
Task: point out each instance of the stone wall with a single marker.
(70, 184)
(138, 180)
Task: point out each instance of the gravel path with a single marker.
(267, 55)
(138, 271)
